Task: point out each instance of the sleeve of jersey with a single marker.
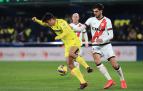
(80, 28)
(77, 29)
(65, 27)
(110, 32)
(87, 23)
(40, 22)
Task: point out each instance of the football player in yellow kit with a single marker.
(71, 42)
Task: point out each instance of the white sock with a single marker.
(120, 73)
(76, 64)
(104, 71)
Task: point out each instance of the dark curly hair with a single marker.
(99, 6)
(48, 16)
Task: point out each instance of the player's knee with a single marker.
(73, 55)
(70, 63)
(97, 58)
(114, 63)
(97, 61)
(116, 66)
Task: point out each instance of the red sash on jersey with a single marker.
(101, 29)
(78, 34)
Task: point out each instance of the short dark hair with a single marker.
(47, 16)
(99, 6)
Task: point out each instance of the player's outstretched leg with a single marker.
(103, 70)
(81, 60)
(79, 75)
(122, 80)
(76, 72)
(119, 71)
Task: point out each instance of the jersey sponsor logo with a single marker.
(94, 28)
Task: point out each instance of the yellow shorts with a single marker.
(70, 44)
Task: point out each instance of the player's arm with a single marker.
(87, 23)
(85, 26)
(79, 28)
(109, 37)
(65, 27)
(85, 38)
(110, 32)
(39, 21)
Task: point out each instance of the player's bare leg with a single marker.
(103, 70)
(80, 59)
(116, 66)
(74, 70)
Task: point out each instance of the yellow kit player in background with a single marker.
(71, 42)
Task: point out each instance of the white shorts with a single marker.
(106, 51)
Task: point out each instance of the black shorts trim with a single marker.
(101, 44)
(76, 52)
(97, 53)
(110, 58)
(117, 68)
(98, 64)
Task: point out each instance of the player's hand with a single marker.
(57, 38)
(34, 19)
(99, 41)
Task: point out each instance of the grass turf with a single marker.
(42, 76)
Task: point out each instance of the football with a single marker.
(62, 70)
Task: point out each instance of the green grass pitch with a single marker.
(42, 76)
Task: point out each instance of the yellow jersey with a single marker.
(63, 30)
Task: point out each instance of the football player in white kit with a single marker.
(80, 31)
(102, 33)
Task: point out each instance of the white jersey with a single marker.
(80, 31)
(95, 24)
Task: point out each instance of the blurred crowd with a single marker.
(11, 29)
(128, 29)
(22, 29)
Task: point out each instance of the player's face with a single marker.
(51, 22)
(97, 12)
(75, 18)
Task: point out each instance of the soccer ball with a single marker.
(62, 69)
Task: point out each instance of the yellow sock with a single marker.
(81, 60)
(78, 74)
